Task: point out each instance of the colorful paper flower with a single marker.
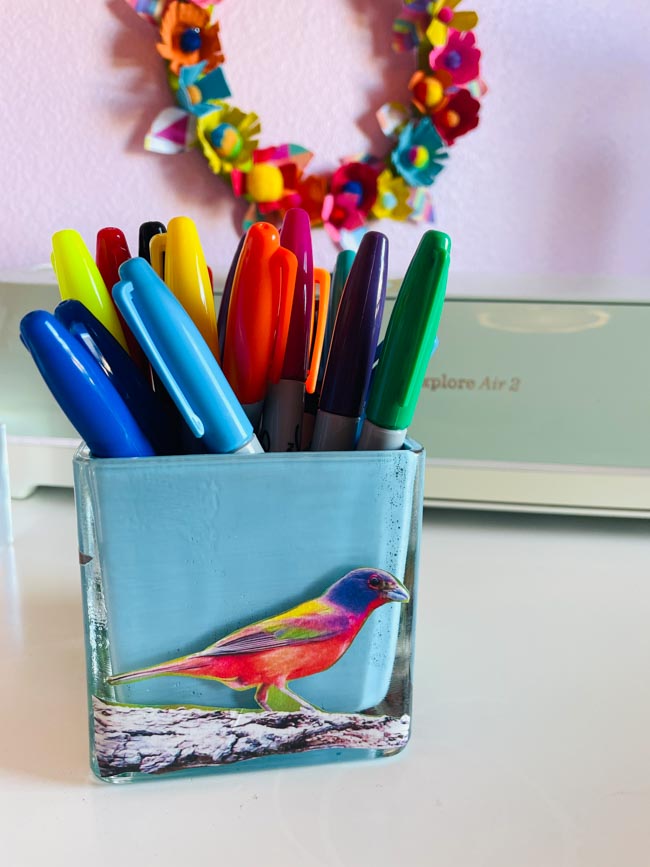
(188, 37)
(429, 92)
(422, 206)
(392, 117)
(358, 179)
(172, 132)
(265, 185)
(477, 88)
(392, 197)
(353, 192)
(459, 57)
(290, 161)
(271, 184)
(151, 10)
(341, 211)
(444, 17)
(312, 191)
(197, 92)
(420, 154)
(458, 117)
(409, 28)
(228, 138)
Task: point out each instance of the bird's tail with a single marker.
(188, 665)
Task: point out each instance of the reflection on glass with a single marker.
(11, 621)
(6, 536)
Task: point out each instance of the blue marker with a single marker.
(129, 381)
(82, 389)
(182, 359)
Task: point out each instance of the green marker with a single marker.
(408, 345)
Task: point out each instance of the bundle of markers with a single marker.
(138, 360)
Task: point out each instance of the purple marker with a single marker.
(353, 347)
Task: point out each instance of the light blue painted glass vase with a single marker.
(248, 611)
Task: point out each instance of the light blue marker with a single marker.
(179, 354)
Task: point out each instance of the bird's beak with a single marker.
(396, 592)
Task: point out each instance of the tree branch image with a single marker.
(154, 740)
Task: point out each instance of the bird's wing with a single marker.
(304, 624)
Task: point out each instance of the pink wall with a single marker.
(555, 181)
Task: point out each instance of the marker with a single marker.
(111, 250)
(354, 343)
(342, 268)
(183, 360)
(222, 318)
(408, 345)
(187, 275)
(124, 374)
(258, 317)
(284, 404)
(82, 389)
(156, 255)
(79, 278)
(147, 232)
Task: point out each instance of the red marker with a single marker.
(112, 249)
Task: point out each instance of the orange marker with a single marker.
(258, 317)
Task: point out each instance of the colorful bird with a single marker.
(297, 643)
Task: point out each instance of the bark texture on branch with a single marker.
(153, 740)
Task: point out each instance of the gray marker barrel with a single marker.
(375, 438)
(334, 433)
(252, 447)
(283, 412)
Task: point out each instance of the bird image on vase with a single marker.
(302, 641)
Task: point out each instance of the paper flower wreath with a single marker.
(444, 104)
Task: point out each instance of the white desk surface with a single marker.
(531, 743)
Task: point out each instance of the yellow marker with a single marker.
(79, 278)
(186, 274)
(157, 247)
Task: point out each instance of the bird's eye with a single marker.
(374, 582)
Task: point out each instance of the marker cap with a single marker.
(295, 235)
(79, 277)
(259, 313)
(356, 330)
(82, 389)
(129, 381)
(411, 335)
(186, 274)
(147, 232)
(111, 250)
(182, 359)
